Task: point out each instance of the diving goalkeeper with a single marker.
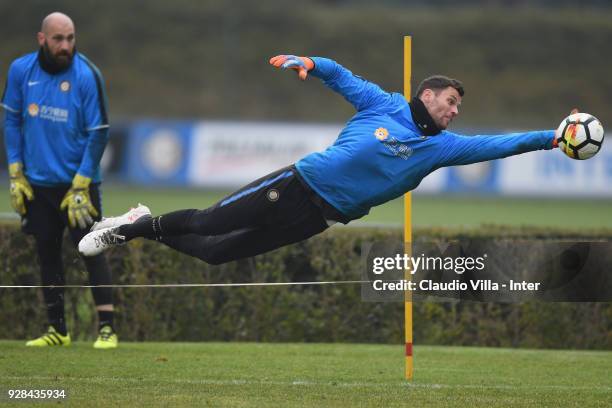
(384, 150)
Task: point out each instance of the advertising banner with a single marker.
(231, 154)
(228, 154)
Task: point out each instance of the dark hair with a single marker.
(438, 83)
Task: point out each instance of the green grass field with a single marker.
(308, 375)
(427, 211)
(322, 375)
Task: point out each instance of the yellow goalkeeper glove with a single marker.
(78, 203)
(20, 188)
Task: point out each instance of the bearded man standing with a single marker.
(56, 129)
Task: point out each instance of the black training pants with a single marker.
(46, 222)
(273, 211)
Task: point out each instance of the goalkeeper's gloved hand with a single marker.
(300, 64)
(20, 188)
(78, 203)
(558, 133)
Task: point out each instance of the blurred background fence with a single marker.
(198, 71)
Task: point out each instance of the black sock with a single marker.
(55, 315)
(170, 224)
(141, 228)
(105, 318)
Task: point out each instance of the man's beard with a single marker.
(60, 61)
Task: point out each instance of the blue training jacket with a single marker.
(381, 153)
(56, 124)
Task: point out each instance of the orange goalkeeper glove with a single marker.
(558, 133)
(300, 64)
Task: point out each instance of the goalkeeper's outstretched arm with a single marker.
(474, 149)
(361, 93)
(459, 149)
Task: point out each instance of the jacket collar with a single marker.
(422, 118)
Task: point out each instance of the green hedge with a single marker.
(332, 313)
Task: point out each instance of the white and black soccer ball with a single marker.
(581, 136)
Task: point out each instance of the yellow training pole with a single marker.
(408, 223)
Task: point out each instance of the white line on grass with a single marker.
(208, 381)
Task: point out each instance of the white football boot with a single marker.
(129, 217)
(98, 241)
